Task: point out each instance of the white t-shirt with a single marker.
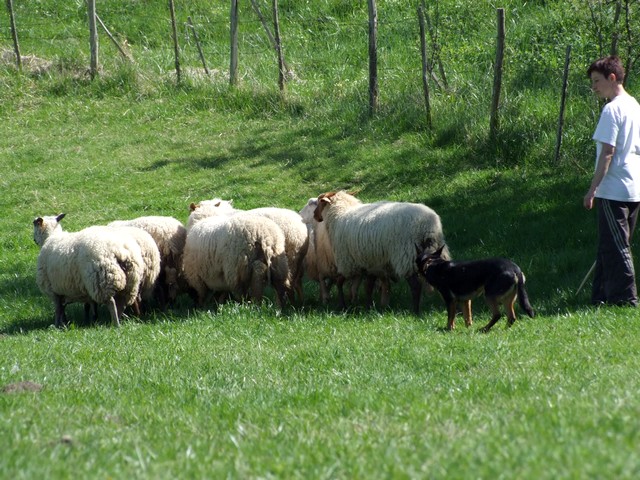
(619, 126)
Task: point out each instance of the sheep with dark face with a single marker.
(95, 265)
(378, 239)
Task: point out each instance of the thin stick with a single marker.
(106, 30)
(565, 81)
(195, 36)
(593, 267)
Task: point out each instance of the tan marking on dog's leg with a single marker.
(508, 303)
(466, 313)
(452, 310)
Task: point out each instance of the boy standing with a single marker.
(616, 184)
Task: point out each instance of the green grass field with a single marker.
(312, 392)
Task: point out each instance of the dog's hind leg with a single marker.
(508, 302)
(495, 309)
(466, 312)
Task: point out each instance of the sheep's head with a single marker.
(307, 211)
(324, 200)
(44, 227)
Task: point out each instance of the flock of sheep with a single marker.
(235, 253)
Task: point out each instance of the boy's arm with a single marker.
(604, 160)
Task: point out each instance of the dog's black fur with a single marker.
(500, 279)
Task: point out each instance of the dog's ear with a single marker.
(438, 252)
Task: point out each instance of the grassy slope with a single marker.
(314, 393)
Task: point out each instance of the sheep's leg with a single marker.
(296, 283)
(340, 287)
(416, 292)
(281, 292)
(368, 290)
(113, 311)
(137, 307)
(60, 319)
(324, 291)
(385, 292)
(90, 312)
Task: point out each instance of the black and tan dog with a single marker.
(499, 279)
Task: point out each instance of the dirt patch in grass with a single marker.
(21, 387)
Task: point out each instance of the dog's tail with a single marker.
(523, 298)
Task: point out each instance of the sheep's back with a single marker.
(94, 264)
(221, 250)
(169, 234)
(380, 238)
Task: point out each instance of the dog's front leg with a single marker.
(452, 310)
(466, 312)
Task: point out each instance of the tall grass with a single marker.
(312, 392)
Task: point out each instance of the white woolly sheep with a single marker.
(295, 232)
(238, 254)
(379, 238)
(170, 236)
(94, 265)
(209, 208)
(151, 259)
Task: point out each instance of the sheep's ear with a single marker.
(326, 198)
(60, 217)
(38, 222)
(192, 207)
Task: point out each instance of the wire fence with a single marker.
(63, 33)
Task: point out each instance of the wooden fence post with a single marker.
(176, 48)
(14, 34)
(497, 79)
(565, 81)
(425, 64)
(276, 29)
(373, 57)
(93, 39)
(233, 67)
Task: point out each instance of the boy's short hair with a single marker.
(606, 66)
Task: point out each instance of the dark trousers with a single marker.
(614, 280)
